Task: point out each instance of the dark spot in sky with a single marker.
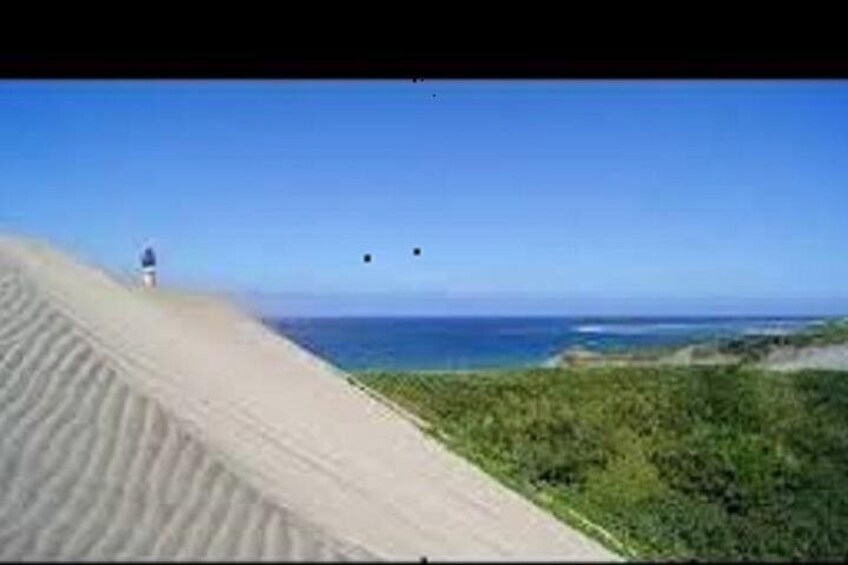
(367, 257)
(416, 251)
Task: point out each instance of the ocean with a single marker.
(432, 343)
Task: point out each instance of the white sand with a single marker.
(151, 425)
(829, 357)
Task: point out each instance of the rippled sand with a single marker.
(156, 425)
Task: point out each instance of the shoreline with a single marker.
(777, 349)
(486, 343)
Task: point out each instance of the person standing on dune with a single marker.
(148, 267)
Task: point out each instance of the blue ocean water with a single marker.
(430, 343)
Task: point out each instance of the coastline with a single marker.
(437, 344)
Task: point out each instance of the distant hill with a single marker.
(822, 345)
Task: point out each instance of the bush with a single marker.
(679, 462)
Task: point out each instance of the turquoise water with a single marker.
(476, 343)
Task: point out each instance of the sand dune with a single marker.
(828, 357)
(155, 425)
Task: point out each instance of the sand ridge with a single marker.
(143, 424)
(91, 469)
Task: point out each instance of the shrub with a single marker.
(680, 462)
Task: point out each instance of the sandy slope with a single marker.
(831, 357)
(137, 424)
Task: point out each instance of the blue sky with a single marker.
(525, 196)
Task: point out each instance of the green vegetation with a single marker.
(739, 350)
(701, 462)
(755, 348)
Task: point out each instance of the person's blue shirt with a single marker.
(148, 259)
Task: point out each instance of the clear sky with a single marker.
(525, 196)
